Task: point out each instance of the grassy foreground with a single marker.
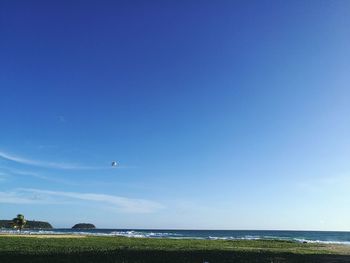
(142, 250)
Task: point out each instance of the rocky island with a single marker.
(83, 226)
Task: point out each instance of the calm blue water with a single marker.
(297, 236)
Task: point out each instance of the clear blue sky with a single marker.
(221, 114)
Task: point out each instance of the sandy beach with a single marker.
(41, 235)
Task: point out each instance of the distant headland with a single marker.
(31, 224)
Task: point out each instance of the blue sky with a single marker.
(221, 115)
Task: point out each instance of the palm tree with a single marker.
(19, 222)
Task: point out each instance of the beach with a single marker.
(319, 237)
(41, 235)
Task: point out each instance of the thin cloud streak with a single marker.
(15, 197)
(55, 165)
(38, 196)
(16, 172)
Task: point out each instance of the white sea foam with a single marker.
(145, 234)
(234, 238)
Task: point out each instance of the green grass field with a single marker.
(142, 250)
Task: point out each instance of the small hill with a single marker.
(84, 226)
(29, 225)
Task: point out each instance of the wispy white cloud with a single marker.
(16, 197)
(17, 172)
(13, 198)
(38, 196)
(55, 165)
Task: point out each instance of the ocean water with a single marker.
(326, 237)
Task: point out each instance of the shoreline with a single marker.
(163, 234)
(330, 245)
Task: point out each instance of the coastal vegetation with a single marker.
(19, 222)
(143, 250)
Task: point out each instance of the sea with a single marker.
(326, 237)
